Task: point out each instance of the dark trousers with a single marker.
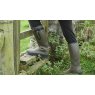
(66, 26)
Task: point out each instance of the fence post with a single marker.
(6, 48)
(16, 30)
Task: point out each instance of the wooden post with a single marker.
(16, 29)
(6, 48)
(1, 46)
(45, 23)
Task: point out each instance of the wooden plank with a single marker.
(29, 64)
(26, 34)
(46, 26)
(16, 31)
(36, 66)
(6, 48)
(29, 33)
(1, 38)
(27, 59)
(32, 69)
(1, 46)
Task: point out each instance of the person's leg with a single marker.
(34, 23)
(41, 37)
(67, 29)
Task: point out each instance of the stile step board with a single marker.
(32, 69)
(36, 66)
(23, 72)
(27, 59)
(29, 64)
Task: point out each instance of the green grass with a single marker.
(24, 44)
(24, 25)
(88, 66)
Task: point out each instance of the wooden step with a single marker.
(27, 59)
(36, 66)
(32, 69)
(29, 64)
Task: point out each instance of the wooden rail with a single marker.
(26, 34)
(29, 33)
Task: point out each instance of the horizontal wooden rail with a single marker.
(26, 34)
(29, 33)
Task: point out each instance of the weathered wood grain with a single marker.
(6, 48)
(16, 40)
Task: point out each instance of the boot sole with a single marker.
(42, 56)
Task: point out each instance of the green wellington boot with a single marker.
(75, 67)
(42, 40)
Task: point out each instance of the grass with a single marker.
(24, 44)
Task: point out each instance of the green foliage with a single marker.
(24, 25)
(24, 44)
